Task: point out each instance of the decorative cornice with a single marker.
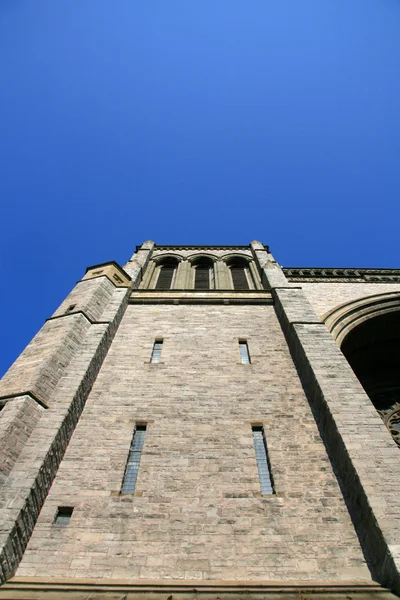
(201, 247)
(346, 275)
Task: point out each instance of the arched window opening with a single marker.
(240, 275)
(239, 278)
(204, 275)
(166, 276)
(373, 352)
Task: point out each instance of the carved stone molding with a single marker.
(346, 275)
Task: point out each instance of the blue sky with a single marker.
(192, 121)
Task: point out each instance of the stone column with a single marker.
(255, 275)
(222, 276)
(148, 275)
(181, 281)
(137, 264)
(365, 457)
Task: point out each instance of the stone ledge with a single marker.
(25, 588)
(78, 312)
(5, 397)
(200, 297)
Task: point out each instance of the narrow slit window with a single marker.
(63, 516)
(156, 353)
(244, 353)
(70, 308)
(132, 465)
(264, 469)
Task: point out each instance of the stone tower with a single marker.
(189, 425)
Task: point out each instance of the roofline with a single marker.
(339, 269)
(201, 247)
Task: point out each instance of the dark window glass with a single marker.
(239, 278)
(165, 277)
(202, 278)
(264, 471)
(132, 465)
(63, 516)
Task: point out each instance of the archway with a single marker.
(372, 349)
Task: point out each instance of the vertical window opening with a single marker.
(239, 278)
(264, 468)
(63, 516)
(202, 278)
(165, 277)
(132, 464)
(156, 352)
(244, 353)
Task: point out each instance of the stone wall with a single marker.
(56, 370)
(19, 418)
(325, 296)
(197, 513)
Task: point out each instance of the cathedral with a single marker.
(205, 423)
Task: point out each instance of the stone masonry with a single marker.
(197, 516)
(197, 512)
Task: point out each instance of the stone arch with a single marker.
(240, 271)
(171, 257)
(194, 258)
(203, 271)
(164, 271)
(368, 333)
(235, 256)
(345, 317)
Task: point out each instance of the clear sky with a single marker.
(192, 122)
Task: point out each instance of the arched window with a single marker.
(239, 278)
(240, 275)
(204, 275)
(166, 276)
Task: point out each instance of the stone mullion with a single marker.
(146, 281)
(136, 266)
(365, 456)
(222, 276)
(181, 275)
(255, 275)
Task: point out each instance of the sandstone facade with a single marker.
(197, 516)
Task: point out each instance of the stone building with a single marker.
(205, 423)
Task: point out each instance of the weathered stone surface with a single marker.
(91, 296)
(42, 364)
(362, 450)
(197, 517)
(197, 512)
(126, 589)
(325, 296)
(18, 419)
(59, 366)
